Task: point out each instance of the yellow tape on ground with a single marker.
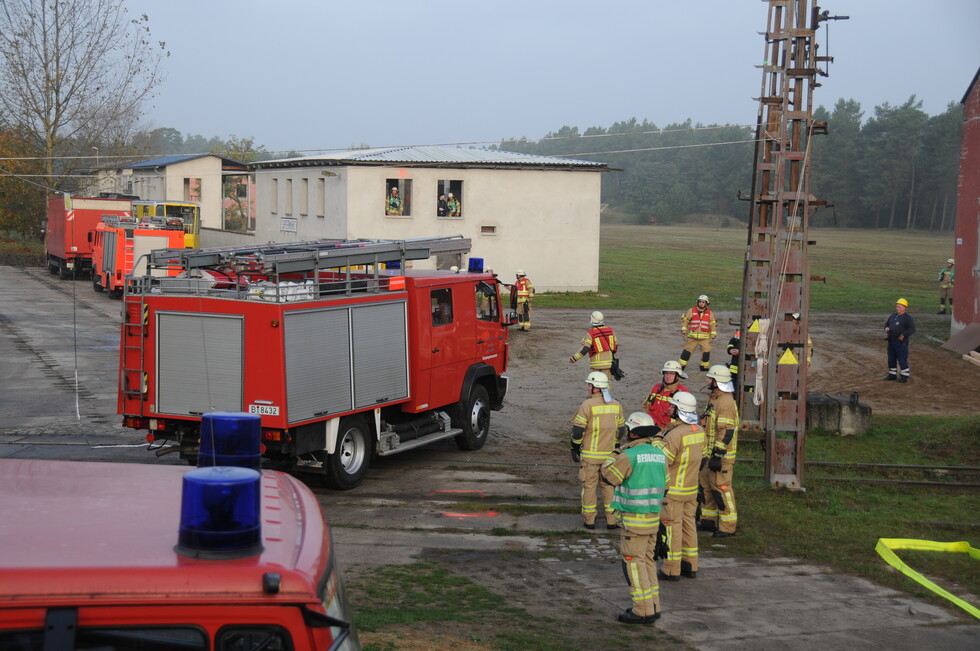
(886, 547)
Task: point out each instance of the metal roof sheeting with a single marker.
(441, 156)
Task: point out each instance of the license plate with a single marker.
(264, 410)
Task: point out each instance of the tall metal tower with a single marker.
(776, 285)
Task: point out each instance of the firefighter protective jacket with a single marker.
(524, 289)
(600, 343)
(657, 403)
(721, 425)
(601, 422)
(698, 324)
(683, 447)
(639, 473)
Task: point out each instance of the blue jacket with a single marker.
(900, 325)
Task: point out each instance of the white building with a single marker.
(187, 177)
(536, 213)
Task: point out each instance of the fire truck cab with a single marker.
(238, 559)
(343, 351)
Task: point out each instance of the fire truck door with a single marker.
(445, 353)
(489, 334)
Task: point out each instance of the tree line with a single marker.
(896, 169)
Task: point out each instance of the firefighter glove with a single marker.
(714, 463)
(576, 452)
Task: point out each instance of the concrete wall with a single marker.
(966, 253)
(545, 222)
(208, 170)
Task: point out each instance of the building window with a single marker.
(304, 197)
(442, 306)
(274, 197)
(192, 189)
(398, 197)
(289, 197)
(488, 230)
(321, 197)
(238, 207)
(450, 201)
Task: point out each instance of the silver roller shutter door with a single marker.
(317, 347)
(380, 353)
(199, 363)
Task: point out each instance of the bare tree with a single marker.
(74, 74)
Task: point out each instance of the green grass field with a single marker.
(665, 267)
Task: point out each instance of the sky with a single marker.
(309, 75)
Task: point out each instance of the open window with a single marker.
(486, 302)
(450, 199)
(442, 306)
(398, 197)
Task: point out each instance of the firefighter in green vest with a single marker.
(638, 474)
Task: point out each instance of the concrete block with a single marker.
(841, 414)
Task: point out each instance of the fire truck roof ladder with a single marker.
(292, 257)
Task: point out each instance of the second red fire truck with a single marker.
(343, 351)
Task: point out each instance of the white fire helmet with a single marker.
(719, 373)
(684, 401)
(639, 419)
(597, 318)
(597, 379)
(703, 297)
(673, 366)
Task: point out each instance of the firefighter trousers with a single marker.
(588, 474)
(641, 571)
(682, 534)
(523, 313)
(691, 345)
(719, 497)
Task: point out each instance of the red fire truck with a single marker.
(238, 559)
(119, 244)
(69, 222)
(343, 351)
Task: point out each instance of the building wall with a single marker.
(966, 253)
(208, 170)
(544, 222)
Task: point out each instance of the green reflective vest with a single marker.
(643, 491)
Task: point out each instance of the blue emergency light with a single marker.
(231, 438)
(476, 265)
(219, 513)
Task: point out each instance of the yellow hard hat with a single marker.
(902, 301)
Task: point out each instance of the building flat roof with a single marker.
(433, 156)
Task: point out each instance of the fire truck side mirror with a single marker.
(511, 319)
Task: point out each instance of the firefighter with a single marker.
(699, 330)
(639, 474)
(657, 403)
(720, 423)
(946, 275)
(600, 344)
(525, 291)
(683, 446)
(809, 343)
(596, 430)
(734, 349)
(393, 206)
(898, 328)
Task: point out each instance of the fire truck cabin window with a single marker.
(398, 197)
(442, 306)
(486, 303)
(119, 638)
(252, 638)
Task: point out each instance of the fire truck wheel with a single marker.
(474, 419)
(348, 464)
(63, 271)
(96, 285)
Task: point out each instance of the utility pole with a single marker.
(776, 285)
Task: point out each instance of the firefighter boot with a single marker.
(685, 357)
(687, 571)
(942, 306)
(705, 361)
(668, 577)
(627, 617)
